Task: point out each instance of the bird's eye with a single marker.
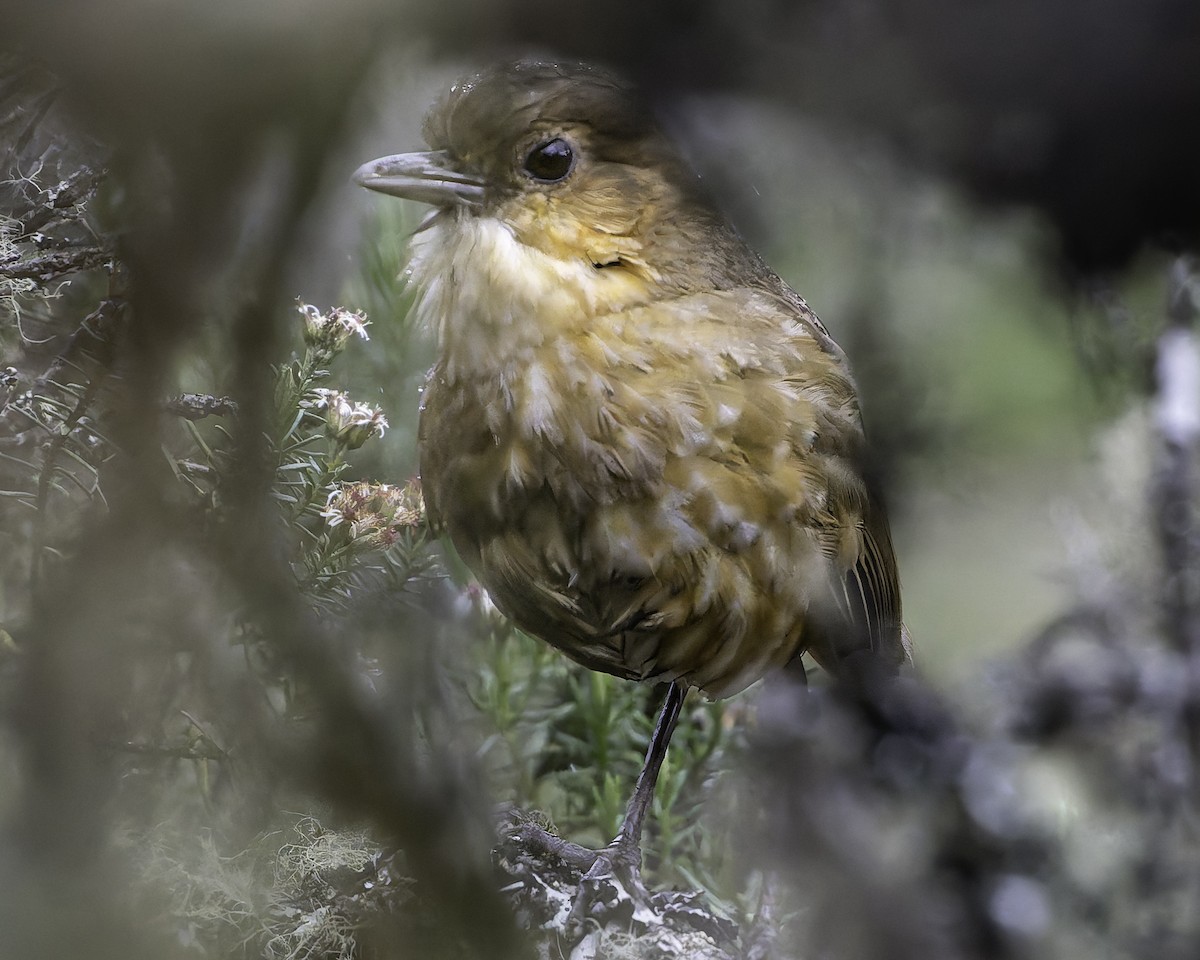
(550, 161)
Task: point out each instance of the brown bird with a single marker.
(643, 443)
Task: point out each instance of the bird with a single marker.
(641, 441)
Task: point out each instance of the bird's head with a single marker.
(569, 160)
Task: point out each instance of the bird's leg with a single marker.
(620, 864)
(630, 835)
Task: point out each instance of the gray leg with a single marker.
(643, 792)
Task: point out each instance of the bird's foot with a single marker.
(611, 892)
(579, 897)
(596, 888)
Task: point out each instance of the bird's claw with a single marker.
(609, 889)
(611, 892)
(584, 895)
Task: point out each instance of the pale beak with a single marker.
(427, 177)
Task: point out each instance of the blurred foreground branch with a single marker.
(1177, 419)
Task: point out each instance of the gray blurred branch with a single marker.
(52, 267)
(1177, 418)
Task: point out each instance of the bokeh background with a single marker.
(220, 714)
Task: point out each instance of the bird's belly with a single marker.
(632, 550)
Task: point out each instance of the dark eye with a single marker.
(550, 161)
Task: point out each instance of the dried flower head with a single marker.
(377, 514)
(348, 422)
(329, 332)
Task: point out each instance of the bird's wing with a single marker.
(866, 608)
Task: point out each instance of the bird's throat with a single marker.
(491, 299)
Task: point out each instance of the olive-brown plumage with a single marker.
(642, 442)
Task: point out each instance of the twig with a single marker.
(185, 750)
(76, 189)
(49, 268)
(197, 406)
